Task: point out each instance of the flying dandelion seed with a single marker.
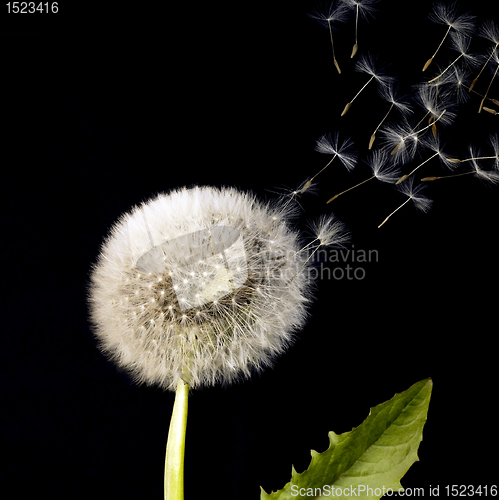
(363, 8)
(413, 135)
(367, 64)
(490, 31)
(414, 194)
(331, 145)
(388, 94)
(456, 83)
(438, 109)
(495, 57)
(336, 12)
(434, 145)
(328, 231)
(446, 13)
(438, 105)
(491, 176)
(401, 141)
(461, 44)
(381, 168)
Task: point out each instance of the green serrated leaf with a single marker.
(370, 459)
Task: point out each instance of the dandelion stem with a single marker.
(175, 448)
(406, 201)
(346, 190)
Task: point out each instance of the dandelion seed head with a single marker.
(195, 284)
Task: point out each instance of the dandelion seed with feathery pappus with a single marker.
(331, 145)
(414, 194)
(436, 106)
(328, 231)
(434, 145)
(388, 93)
(401, 141)
(367, 64)
(456, 84)
(461, 44)
(446, 13)
(382, 169)
(490, 31)
(495, 58)
(491, 176)
(336, 12)
(363, 8)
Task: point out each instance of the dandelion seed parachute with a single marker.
(447, 13)
(381, 168)
(402, 138)
(336, 12)
(435, 103)
(206, 285)
(329, 231)
(414, 194)
(331, 145)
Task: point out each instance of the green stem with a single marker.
(175, 449)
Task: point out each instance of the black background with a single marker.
(102, 110)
